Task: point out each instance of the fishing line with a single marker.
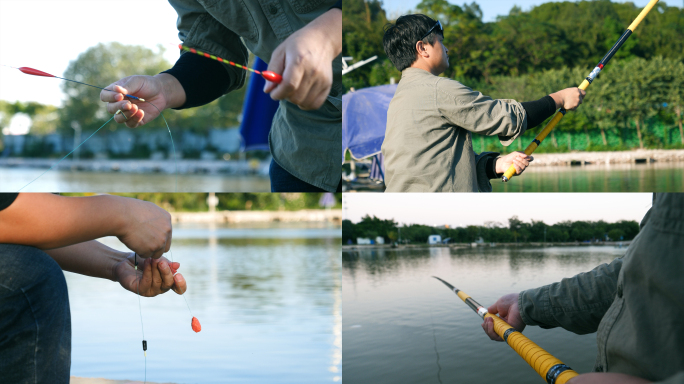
(194, 323)
(66, 155)
(35, 72)
(144, 342)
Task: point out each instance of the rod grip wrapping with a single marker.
(540, 360)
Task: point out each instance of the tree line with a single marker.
(516, 231)
(637, 101)
(102, 65)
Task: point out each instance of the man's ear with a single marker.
(420, 48)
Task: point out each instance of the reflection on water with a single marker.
(270, 308)
(401, 325)
(11, 179)
(655, 177)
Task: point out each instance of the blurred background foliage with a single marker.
(637, 101)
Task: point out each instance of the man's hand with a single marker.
(145, 228)
(152, 278)
(606, 378)
(507, 308)
(162, 90)
(305, 61)
(518, 159)
(569, 98)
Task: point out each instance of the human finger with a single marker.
(276, 65)
(316, 96)
(292, 79)
(166, 275)
(156, 276)
(145, 282)
(174, 266)
(522, 162)
(488, 326)
(179, 286)
(111, 97)
(136, 119)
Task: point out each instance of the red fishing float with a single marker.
(196, 325)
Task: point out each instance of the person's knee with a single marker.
(37, 319)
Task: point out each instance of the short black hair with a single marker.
(401, 37)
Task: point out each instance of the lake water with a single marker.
(655, 177)
(268, 299)
(402, 326)
(11, 179)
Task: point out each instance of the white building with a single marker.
(434, 239)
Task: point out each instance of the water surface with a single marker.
(402, 326)
(12, 179)
(268, 299)
(655, 177)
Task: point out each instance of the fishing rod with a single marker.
(35, 72)
(548, 367)
(585, 84)
(268, 75)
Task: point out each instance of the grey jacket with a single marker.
(428, 139)
(305, 143)
(635, 303)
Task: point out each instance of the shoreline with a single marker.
(580, 158)
(347, 247)
(145, 166)
(242, 217)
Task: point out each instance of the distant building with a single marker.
(434, 239)
(379, 240)
(363, 241)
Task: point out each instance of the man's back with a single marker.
(428, 141)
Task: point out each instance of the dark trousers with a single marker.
(35, 322)
(283, 181)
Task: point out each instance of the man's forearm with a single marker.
(90, 258)
(49, 221)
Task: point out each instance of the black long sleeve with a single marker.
(204, 80)
(539, 110)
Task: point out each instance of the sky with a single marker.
(48, 34)
(463, 209)
(490, 8)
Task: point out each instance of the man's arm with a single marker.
(49, 221)
(576, 304)
(91, 258)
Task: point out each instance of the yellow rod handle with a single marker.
(642, 14)
(540, 360)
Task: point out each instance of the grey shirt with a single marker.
(635, 304)
(305, 143)
(428, 139)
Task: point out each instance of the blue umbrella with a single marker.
(364, 117)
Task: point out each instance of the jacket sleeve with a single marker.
(576, 304)
(198, 29)
(477, 113)
(483, 183)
